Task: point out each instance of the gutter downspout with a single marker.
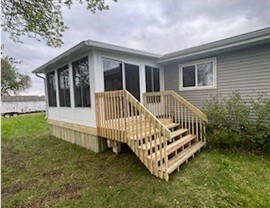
(46, 94)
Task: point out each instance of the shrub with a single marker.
(238, 123)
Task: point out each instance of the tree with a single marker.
(12, 81)
(40, 19)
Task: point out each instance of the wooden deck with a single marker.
(164, 132)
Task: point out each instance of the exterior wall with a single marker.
(81, 135)
(78, 115)
(247, 71)
(23, 107)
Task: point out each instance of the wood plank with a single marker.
(156, 149)
(150, 144)
(172, 125)
(182, 100)
(178, 132)
(148, 133)
(181, 158)
(179, 143)
(72, 126)
(166, 121)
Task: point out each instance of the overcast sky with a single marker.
(153, 25)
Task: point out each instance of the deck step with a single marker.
(178, 132)
(173, 146)
(172, 125)
(178, 160)
(166, 121)
(179, 143)
(144, 134)
(152, 144)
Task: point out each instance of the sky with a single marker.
(159, 26)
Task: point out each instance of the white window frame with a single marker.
(181, 66)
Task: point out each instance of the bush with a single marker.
(238, 123)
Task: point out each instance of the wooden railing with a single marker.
(169, 104)
(123, 118)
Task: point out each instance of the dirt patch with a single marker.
(11, 191)
(79, 164)
(53, 175)
(10, 159)
(68, 190)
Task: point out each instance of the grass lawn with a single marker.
(39, 170)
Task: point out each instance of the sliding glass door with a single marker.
(112, 75)
(118, 76)
(132, 78)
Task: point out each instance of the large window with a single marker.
(51, 87)
(81, 82)
(113, 79)
(198, 75)
(63, 84)
(152, 79)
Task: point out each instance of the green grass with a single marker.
(39, 170)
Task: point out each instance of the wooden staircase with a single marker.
(164, 132)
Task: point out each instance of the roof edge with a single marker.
(62, 55)
(238, 40)
(97, 44)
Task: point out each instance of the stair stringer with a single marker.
(151, 165)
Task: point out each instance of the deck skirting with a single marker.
(83, 136)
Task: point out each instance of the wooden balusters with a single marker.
(181, 111)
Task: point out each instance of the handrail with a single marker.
(121, 117)
(168, 104)
(152, 116)
(189, 105)
(168, 132)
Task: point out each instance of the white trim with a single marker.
(181, 66)
(161, 78)
(123, 75)
(111, 47)
(71, 85)
(142, 82)
(91, 83)
(57, 89)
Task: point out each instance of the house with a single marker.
(101, 95)
(15, 105)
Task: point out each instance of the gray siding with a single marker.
(247, 71)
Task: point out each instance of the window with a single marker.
(81, 82)
(63, 85)
(112, 75)
(51, 87)
(199, 75)
(152, 79)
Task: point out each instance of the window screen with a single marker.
(51, 87)
(81, 82)
(63, 85)
(152, 79)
